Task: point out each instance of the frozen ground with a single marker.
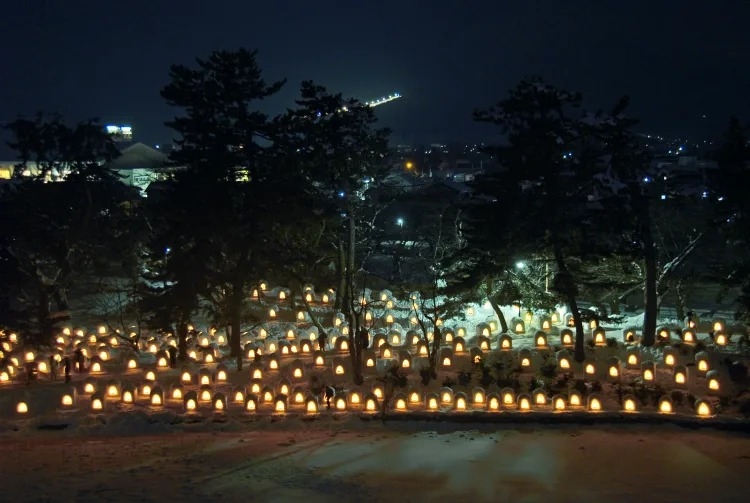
(369, 462)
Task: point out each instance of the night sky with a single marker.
(677, 60)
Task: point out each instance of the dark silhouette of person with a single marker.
(66, 368)
(363, 338)
(330, 393)
(52, 368)
(79, 359)
(31, 371)
(172, 356)
(322, 341)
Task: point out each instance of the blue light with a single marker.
(646, 179)
(341, 194)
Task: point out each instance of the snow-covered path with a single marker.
(409, 462)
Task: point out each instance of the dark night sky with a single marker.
(677, 60)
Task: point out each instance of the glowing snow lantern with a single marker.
(355, 398)
(629, 404)
(371, 403)
(186, 377)
(460, 402)
(540, 397)
(279, 404)
(447, 361)
(311, 405)
(97, 402)
(558, 403)
(702, 362)
(127, 396)
(506, 343)
(272, 313)
(493, 402)
(703, 408)
(162, 362)
(665, 405)
(721, 339)
(132, 364)
(208, 358)
(508, 397)
(680, 375)
(629, 335)
(113, 391)
(298, 396)
(541, 340)
(96, 367)
(67, 400)
(593, 324)
(546, 325)
(273, 364)
(150, 375)
(595, 404)
(718, 326)
(22, 408)
(29, 356)
(566, 337)
(297, 373)
(4, 376)
(219, 402)
(400, 403)
(600, 338)
(563, 363)
(239, 397)
(177, 392)
(157, 397)
(633, 358)
(89, 387)
(432, 402)
(251, 403)
(190, 401)
(319, 360)
(575, 399)
(205, 394)
(525, 362)
(221, 374)
(712, 379)
(519, 328)
(370, 362)
(524, 402)
(340, 403)
(688, 336)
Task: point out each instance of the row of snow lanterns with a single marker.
(251, 400)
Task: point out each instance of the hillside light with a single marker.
(520, 264)
(400, 222)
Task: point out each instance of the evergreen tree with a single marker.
(53, 233)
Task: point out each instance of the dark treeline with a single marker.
(297, 199)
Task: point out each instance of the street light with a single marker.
(400, 222)
(409, 165)
(520, 265)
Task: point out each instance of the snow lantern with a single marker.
(204, 377)
(311, 405)
(190, 401)
(703, 408)
(218, 402)
(594, 403)
(524, 402)
(432, 400)
(518, 326)
(221, 373)
(712, 381)
(566, 337)
(665, 405)
(540, 340)
(663, 334)
(721, 339)
(97, 402)
(446, 357)
(575, 399)
(629, 404)
(459, 345)
(524, 359)
(478, 396)
(89, 386)
(460, 402)
(157, 397)
(493, 402)
(371, 403)
(614, 369)
(680, 376)
(719, 325)
(688, 336)
(446, 396)
(629, 335)
(112, 389)
(599, 336)
(648, 371)
(506, 343)
(22, 408)
(354, 398)
(484, 343)
(128, 393)
(669, 356)
(251, 403)
(702, 365)
(298, 396)
(633, 358)
(404, 359)
(558, 403)
(205, 393)
(508, 397)
(399, 402)
(176, 391)
(539, 397)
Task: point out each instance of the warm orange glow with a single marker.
(613, 371)
(540, 399)
(378, 392)
(88, 388)
(205, 395)
(519, 328)
(156, 399)
(459, 347)
(96, 404)
(191, 405)
(339, 370)
(400, 404)
(629, 405)
(280, 406)
(446, 362)
(564, 363)
(703, 365)
(704, 409)
(590, 368)
(665, 407)
(595, 404)
(96, 367)
(679, 378)
(354, 398)
(541, 341)
(506, 344)
(250, 405)
(205, 380)
(721, 340)
(484, 346)
(112, 391)
(524, 404)
(478, 397)
(525, 362)
(432, 403)
(494, 403)
(559, 403)
(575, 400)
(273, 364)
(67, 400)
(567, 339)
(371, 405)
(648, 375)
(713, 384)
(669, 360)
(22, 408)
(127, 397)
(177, 394)
(632, 359)
(461, 403)
(255, 388)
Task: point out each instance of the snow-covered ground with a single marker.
(365, 461)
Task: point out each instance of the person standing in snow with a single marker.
(330, 393)
(52, 368)
(78, 357)
(172, 356)
(66, 368)
(322, 342)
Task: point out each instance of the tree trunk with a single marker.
(649, 261)
(436, 339)
(44, 321)
(569, 294)
(500, 315)
(182, 333)
(338, 305)
(235, 339)
(681, 301)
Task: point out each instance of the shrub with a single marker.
(677, 397)
(580, 386)
(548, 370)
(596, 386)
(486, 378)
(464, 378)
(448, 382)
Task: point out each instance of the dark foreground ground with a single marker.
(404, 462)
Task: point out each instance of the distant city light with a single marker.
(400, 222)
(520, 264)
